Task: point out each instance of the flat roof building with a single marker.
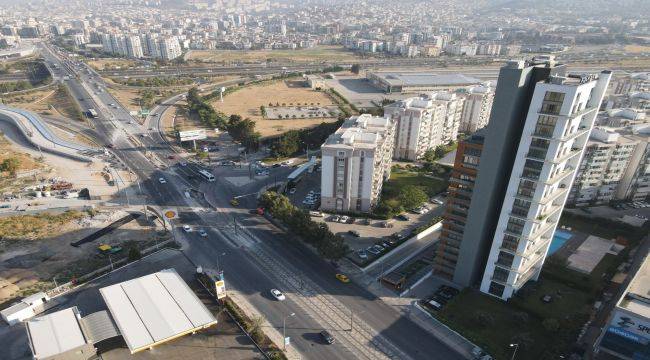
(356, 160)
(627, 334)
(154, 309)
(415, 82)
(59, 335)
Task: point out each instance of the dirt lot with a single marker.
(51, 102)
(320, 53)
(635, 49)
(247, 101)
(106, 64)
(31, 255)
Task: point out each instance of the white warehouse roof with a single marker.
(155, 308)
(55, 333)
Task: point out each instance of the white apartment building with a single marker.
(134, 47)
(453, 104)
(476, 109)
(560, 116)
(356, 160)
(419, 122)
(170, 48)
(635, 182)
(606, 158)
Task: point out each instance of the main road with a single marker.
(255, 255)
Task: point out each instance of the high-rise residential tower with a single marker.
(539, 125)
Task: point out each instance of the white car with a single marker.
(162, 180)
(292, 191)
(187, 228)
(277, 294)
(344, 219)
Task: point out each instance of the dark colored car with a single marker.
(327, 337)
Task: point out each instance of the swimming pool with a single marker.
(559, 238)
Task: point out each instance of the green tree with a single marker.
(10, 165)
(412, 196)
(134, 254)
(355, 68)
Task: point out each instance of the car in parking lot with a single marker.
(344, 219)
(187, 228)
(372, 250)
(316, 213)
(203, 233)
(277, 294)
(327, 337)
(354, 233)
(362, 254)
(335, 218)
(162, 180)
(292, 190)
(437, 201)
(403, 217)
(378, 247)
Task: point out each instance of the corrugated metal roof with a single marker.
(155, 308)
(99, 326)
(55, 333)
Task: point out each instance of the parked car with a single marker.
(386, 224)
(372, 250)
(187, 228)
(403, 217)
(162, 180)
(362, 254)
(344, 219)
(203, 233)
(436, 201)
(277, 294)
(292, 191)
(335, 218)
(327, 337)
(354, 233)
(316, 213)
(379, 248)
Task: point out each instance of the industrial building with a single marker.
(417, 82)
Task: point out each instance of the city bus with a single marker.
(206, 175)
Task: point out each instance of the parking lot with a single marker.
(374, 237)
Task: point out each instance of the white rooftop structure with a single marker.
(155, 308)
(56, 333)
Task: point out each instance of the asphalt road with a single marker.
(255, 255)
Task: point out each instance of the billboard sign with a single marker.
(189, 135)
(220, 285)
(631, 327)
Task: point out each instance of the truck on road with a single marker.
(92, 113)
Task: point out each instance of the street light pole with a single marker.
(284, 331)
(516, 346)
(218, 263)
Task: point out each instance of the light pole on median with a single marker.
(516, 346)
(284, 330)
(218, 263)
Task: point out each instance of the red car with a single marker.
(171, 157)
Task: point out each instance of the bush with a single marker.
(134, 254)
(551, 324)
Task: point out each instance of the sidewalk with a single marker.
(274, 334)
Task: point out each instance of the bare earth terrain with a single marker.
(51, 102)
(247, 101)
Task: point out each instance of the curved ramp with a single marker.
(39, 134)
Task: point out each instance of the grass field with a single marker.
(401, 178)
(247, 101)
(493, 324)
(320, 53)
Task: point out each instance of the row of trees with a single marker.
(395, 201)
(329, 246)
(296, 141)
(15, 86)
(156, 81)
(242, 130)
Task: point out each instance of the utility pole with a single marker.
(284, 331)
(351, 315)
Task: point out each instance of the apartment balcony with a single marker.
(553, 196)
(462, 182)
(537, 246)
(568, 171)
(499, 280)
(456, 231)
(523, 279)
(567, 156)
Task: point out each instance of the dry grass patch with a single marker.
(52, 102)
(247, 102)
(37, 226)
(107, 64)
